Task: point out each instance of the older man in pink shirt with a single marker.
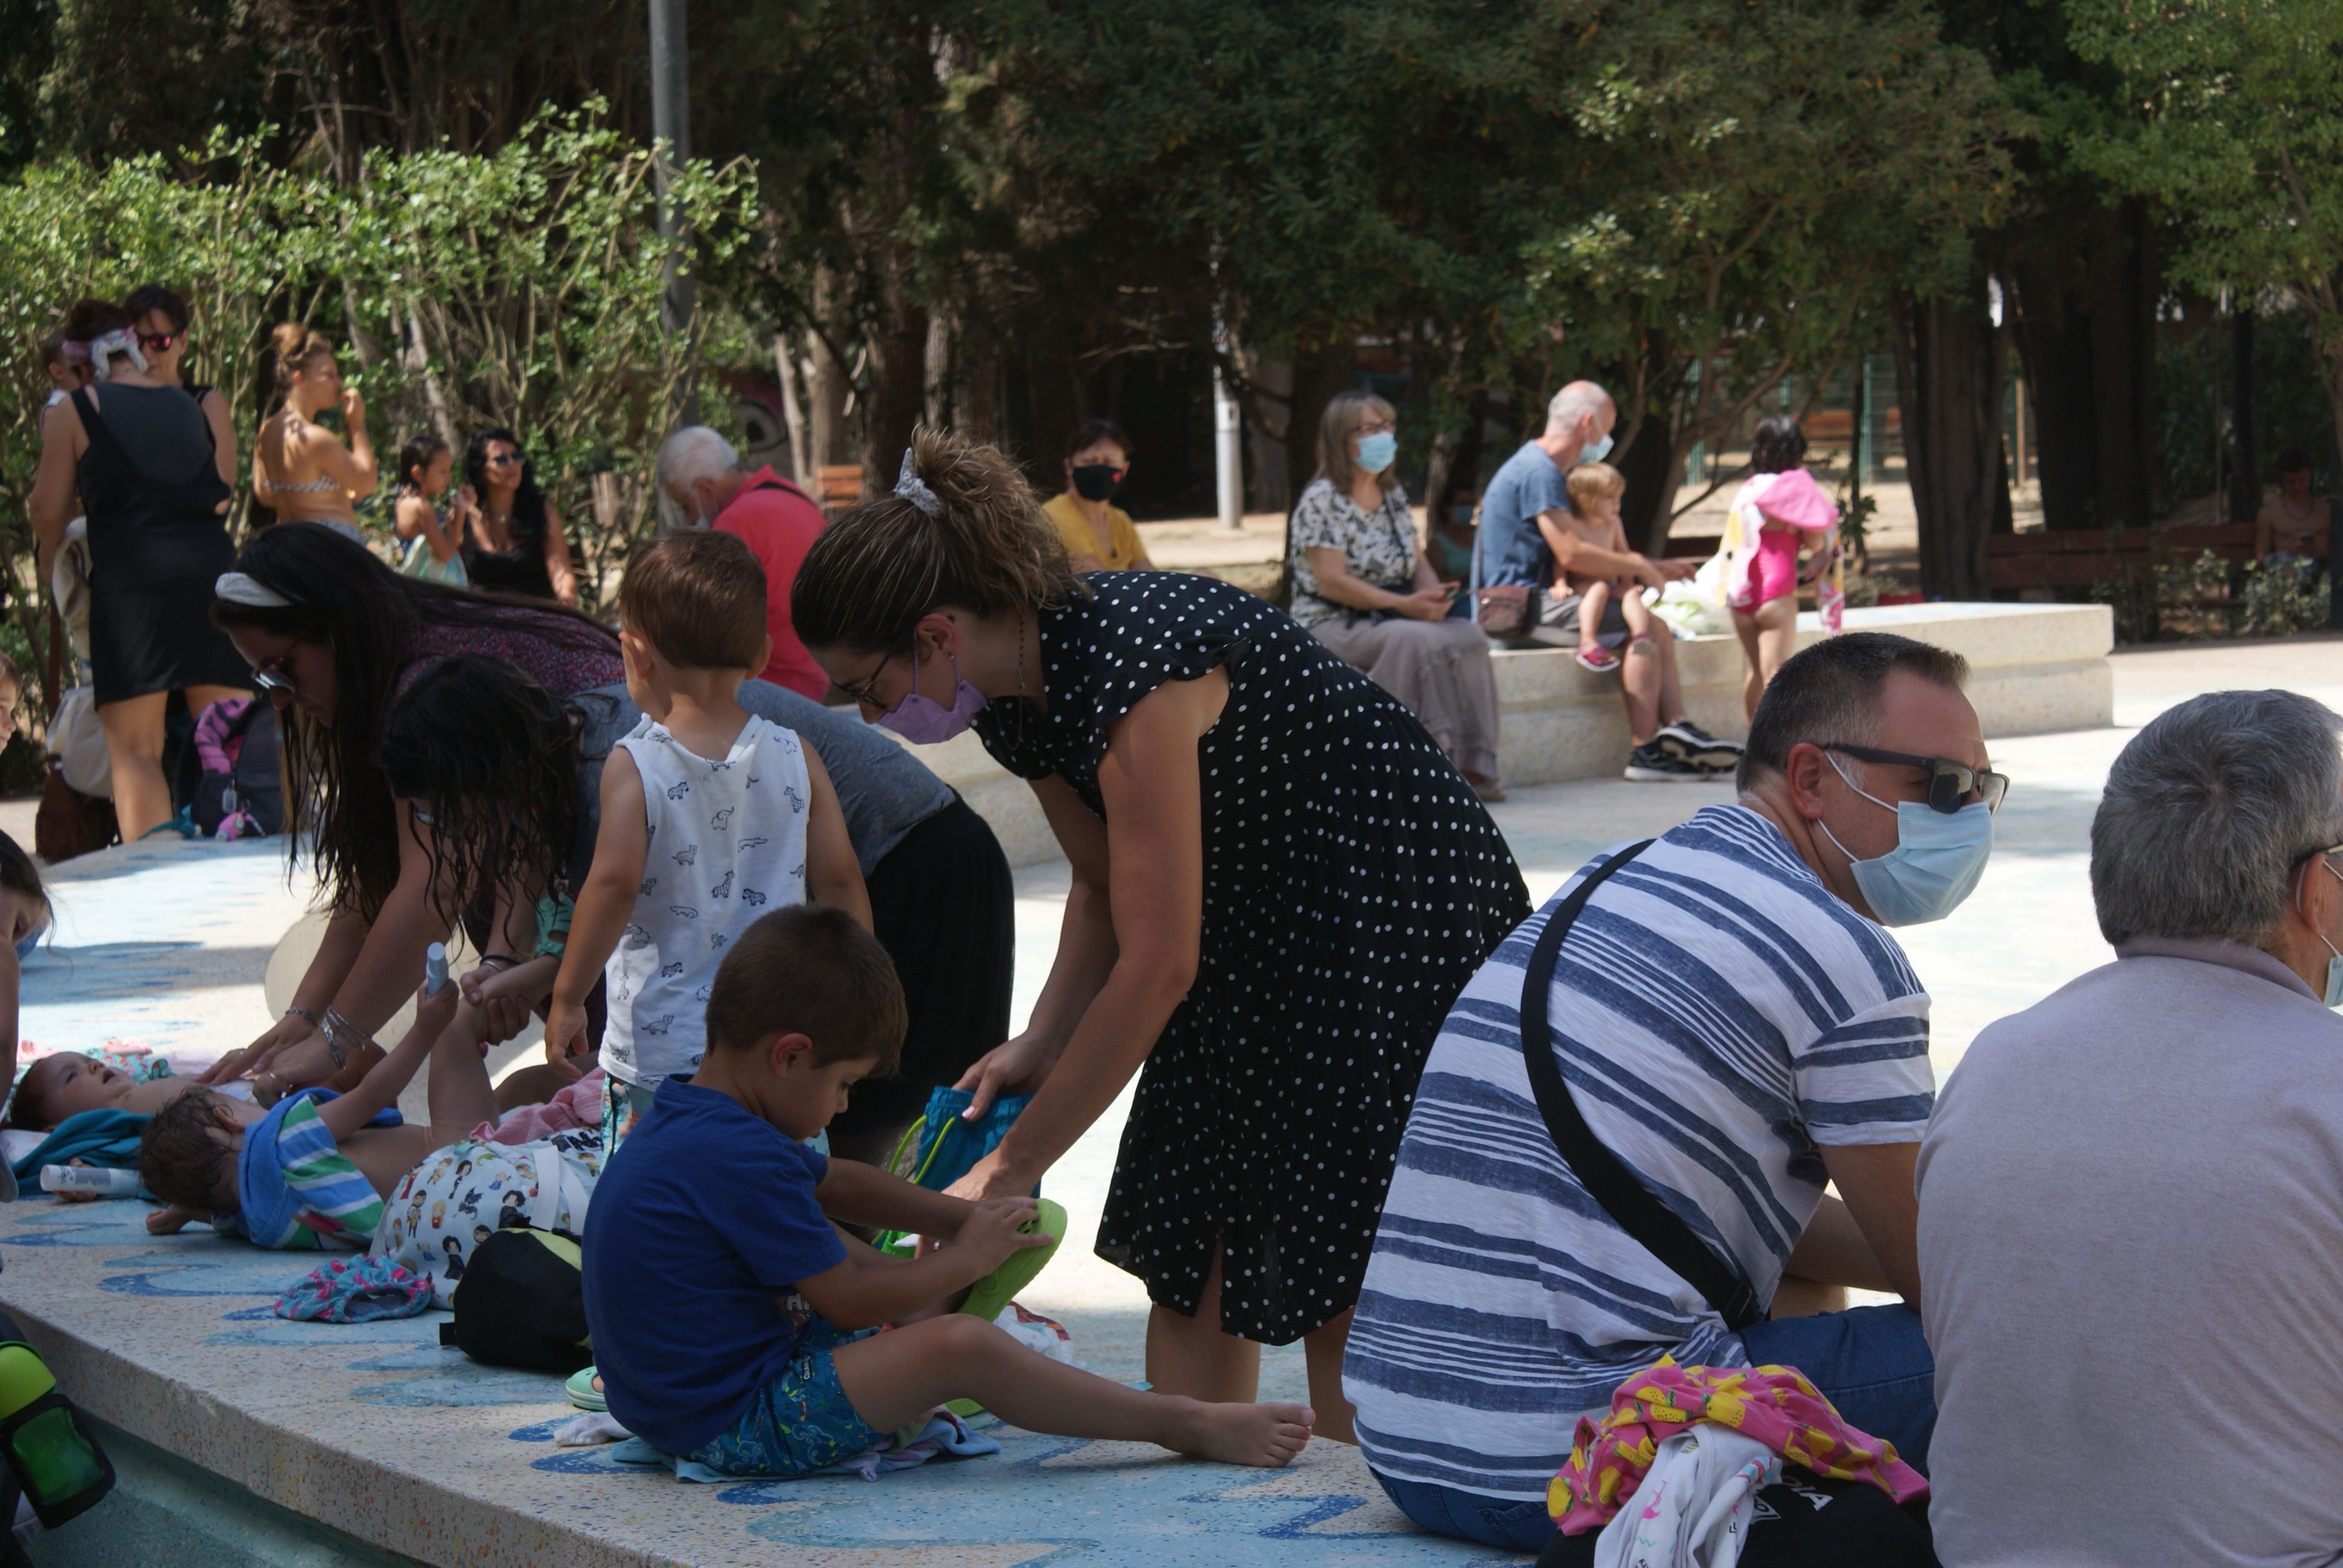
(703, 473)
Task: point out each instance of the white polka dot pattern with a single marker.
(1352, 883)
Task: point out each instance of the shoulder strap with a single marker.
(93, 423)
(1626, 1199)
(778, 483)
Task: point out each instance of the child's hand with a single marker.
(433, 1014)
(504, 997)
(170, 1221)
(565, 1038)
(989, 1232)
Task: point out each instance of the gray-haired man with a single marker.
(2131, 1196)
(1525, 539)
(703, 473)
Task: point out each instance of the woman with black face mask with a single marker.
(1099, 537)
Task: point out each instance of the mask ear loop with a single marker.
(2302, 896)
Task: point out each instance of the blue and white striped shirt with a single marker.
(1718, 1016)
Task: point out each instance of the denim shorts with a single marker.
(1873, 1364)
(799, 1424)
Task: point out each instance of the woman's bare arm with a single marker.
(1154, 792)
(56, 483)
(556, 557)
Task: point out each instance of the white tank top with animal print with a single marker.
(727, 843)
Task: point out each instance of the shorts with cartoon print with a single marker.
(800, 1423)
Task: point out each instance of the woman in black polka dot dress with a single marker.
(1280, 885)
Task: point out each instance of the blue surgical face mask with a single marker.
(1594, 451)
(1937, 858)
(1376, 451)
(2335, 964)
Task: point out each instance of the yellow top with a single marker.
(1122, 549)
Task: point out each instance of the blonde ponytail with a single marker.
(985, 549)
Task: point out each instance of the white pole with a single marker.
(1228, 438)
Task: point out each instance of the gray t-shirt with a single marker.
(1512, 548)
(884, 791)
(2131, 1265)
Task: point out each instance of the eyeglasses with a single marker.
(159, 342)
(1950, 783)
(862, 693)
(273, 681)
(1374, 427)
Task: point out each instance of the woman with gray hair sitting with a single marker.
(1362, 585)
(2131, 1194)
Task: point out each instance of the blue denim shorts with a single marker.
(799, 1424)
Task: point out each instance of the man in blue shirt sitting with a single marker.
(1525, 543)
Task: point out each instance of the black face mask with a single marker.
(1097, 481)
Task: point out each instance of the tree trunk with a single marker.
(1948, 377)
(2244, 472)
(898, 374)
(2122, 354)
(1318, 376)
(1269, 416)
(1651, 465)
(2053, 332)
(793, 411)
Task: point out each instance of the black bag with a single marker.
(1807, 1520)
(252, 783)
(1627, 1201)
(522, 1302)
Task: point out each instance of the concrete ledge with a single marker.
(2035, 668)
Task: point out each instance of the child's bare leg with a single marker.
(891, 1378)
(1592, 602)
(1636, 612)
(530, 1086)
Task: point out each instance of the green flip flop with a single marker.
(582, 1393)
(990, 1294)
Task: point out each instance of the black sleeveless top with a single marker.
(518, 570)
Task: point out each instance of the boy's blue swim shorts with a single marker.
(799, 1424)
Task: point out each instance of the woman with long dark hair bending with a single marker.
(1280, 885)
(342, 643)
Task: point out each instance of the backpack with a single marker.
(227, 774)
(522, 1302)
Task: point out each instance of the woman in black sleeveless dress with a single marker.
(1300, 885)
(513, 538)
(149, 475)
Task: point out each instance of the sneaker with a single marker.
(1599, 659)
(1688, 742)
(1650, 765)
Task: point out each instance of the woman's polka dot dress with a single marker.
(1352, 883)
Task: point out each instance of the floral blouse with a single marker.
(1379, 547)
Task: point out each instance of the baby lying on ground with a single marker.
(322, 1166)
(66, 1084)
(733, 1319)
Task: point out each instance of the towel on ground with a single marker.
(1695, 1504)
(105, 1137)
(356, 1290)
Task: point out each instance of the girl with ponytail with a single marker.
(300, 469)
(1280, 885)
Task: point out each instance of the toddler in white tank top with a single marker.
(712, 817)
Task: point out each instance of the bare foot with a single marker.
(1269, 1435)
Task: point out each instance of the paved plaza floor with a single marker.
(167, 944)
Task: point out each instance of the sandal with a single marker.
(582, 1393)
(1599, 659)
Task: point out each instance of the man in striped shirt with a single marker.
(1736, 1027)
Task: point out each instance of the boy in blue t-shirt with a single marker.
(727, 1309)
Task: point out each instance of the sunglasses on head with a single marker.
(1950, 783)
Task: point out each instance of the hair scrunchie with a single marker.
(106, 345)
(914, 489)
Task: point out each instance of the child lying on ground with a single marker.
(730, 1314)
(69, 1083)
(324, 1166)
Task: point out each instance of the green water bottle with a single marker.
(58, 1464)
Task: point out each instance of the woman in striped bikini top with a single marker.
(301, 471)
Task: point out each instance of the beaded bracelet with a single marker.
(298, 1010)
(336, 1026)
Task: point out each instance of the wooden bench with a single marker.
(841, 485)
(2081, 558)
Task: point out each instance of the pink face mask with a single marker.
(924, 721)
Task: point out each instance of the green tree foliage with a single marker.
(519, 289)
(2238, 134)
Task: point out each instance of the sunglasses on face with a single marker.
(159, 342)
(503, 460)
(272, 680)
(1950, 783)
